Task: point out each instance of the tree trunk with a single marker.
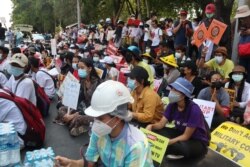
(147, 7)
(224, 11)
(119, 11)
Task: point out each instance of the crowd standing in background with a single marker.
(128, 58)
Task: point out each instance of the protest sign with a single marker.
(216, 30)
(157, 84)
(207, 108)
(2, 20)
(111, 49)
(233, 142)
(158, 144)
(53, 47)
(71, 94)
(99, 72)
(69, 77)
(117, 59)
(231, 93)
(200, 35)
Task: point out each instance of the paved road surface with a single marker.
(63, 144)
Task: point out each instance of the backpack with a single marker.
(54, 80)
(42, 100)
(35, 132)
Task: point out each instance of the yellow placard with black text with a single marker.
(158, 144)
(233, 142)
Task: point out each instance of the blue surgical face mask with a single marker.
(82, 73)
(131, 84)
(74, 65)
(174, 97)
(209, 15)
(15, 71)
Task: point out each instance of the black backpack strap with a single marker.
(23, 77)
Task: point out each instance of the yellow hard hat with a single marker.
(169, 60)
(146, 55)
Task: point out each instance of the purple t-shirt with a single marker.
(191, 117)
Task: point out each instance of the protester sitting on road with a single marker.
(190, 73)
(42, 77)
(242, 92)
(75, 62)
(218, 63)
(18, 83)
(112, 72)
(146, 58)
(111, 131)
(78, 122)
(170, 67)
(219, 95)
(190, 137)
(4, 61)
(133, 57)
(147, 107)
(11, 113)
(180, 56)
(98, 64)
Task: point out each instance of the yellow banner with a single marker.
(233, 142)
(158, 144)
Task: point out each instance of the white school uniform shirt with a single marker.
(3, 79)
(11, 113)
(4, 65)
(25, 88)
(155, 35)
(46, 82)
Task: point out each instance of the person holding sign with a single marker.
(190, 137)
(218, 63)
(219, 95)
(113, 141)
(78, 122)
(242, 91)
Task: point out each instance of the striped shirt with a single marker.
(129, 149)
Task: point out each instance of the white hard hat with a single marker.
(107, 97)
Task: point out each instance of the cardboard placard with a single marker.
(111, 49)
(99, 72)
(233, 142)
(200, 35)
(69, 77)
(117, 59)
(71, 94)
(207, 108)
(216, 30)
(231, 93)
(158, 144)
(157, 84)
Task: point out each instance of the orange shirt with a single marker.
(147, 106)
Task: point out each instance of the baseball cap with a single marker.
(242, 11)
(19, 59)
(210, 8)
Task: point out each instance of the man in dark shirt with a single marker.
(2, 35)
(182, 30)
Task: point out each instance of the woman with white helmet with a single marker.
(111, 131)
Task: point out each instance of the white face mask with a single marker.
(237, 77)
(174, 97)
(218, 59)
(165, 66)
(178, 55)
(145, 61)
(100, 128)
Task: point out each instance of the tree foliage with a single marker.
(45, 15)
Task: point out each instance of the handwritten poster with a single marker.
(207, 108)
(71, 94)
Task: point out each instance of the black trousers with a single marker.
(189, 149)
